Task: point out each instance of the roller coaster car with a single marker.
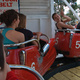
(68, 42)
(33, 56)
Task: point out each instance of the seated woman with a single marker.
(11, 36)
(60, 24)
(27, 33)
(5, 71)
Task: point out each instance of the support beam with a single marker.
(52, 22)
(65, 1)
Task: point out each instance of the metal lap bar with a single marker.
(18, 44)
(63, 30)
(46, 36)
(27, 68)
(41, 35)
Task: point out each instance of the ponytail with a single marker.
(2, 18)
(8, 17)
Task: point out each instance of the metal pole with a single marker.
(71, 9)
(52, 22)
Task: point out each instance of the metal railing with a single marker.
(18, 44)
(68, 30)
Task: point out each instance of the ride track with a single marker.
(60, 65)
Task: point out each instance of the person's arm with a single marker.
(8, 68)
(38, 34)
(61, 24)
(34, 42)
(67, 18)
(10, 74)
(30, 34)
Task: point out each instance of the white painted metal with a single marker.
(52, 24)
(38, 14)
(72, 9)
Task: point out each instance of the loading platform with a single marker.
(70, 74)
(69, 70)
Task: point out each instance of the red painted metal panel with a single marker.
(33, 58)
(63, 42)
(23, 74)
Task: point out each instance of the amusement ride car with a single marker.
(68, 42)
(38, 58)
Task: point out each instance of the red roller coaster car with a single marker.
(38, 58)
(68, 42)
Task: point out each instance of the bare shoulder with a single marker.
(17, 33)
(19, 36)
(60, 23)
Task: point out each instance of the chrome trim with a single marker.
(22, 57)
(64, 32)
(45, 49)
(70, 42)
(27, 68)
(18, 44)
(8, 53)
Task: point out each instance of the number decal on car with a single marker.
(56, 40)
(33, 65)
(77, 45)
